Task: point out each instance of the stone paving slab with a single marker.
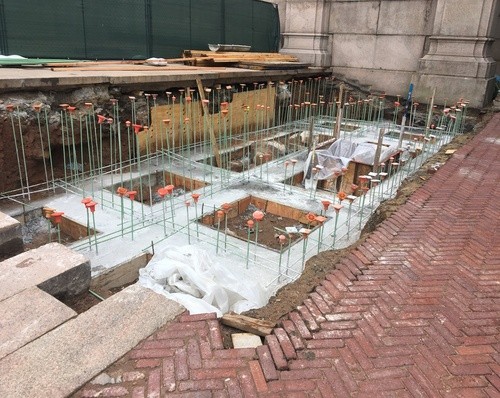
(27, 316)
(54, 268)
(62, 360)
(413, 311)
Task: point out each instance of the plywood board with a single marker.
(348, 178)
(261, 108)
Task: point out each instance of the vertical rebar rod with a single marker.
(101, 168)
(82, 153)
(49, 145)
(304, 249)
(122, 213)
(218, 235)
(112, 157)
(63, 146)
(17, 150)
(289, 250)
(249, 230)
(23, 153)
(74, 164)
(187, 203)
(42, 147)
(141, 194)
(95, 234)
(337, 211)
(132, 218)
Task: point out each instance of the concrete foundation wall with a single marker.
(387, 44)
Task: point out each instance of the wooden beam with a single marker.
(204, 112)
(247, 324)
(118, 68)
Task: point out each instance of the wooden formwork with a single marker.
(68, 226)
(253, 108)
(121, 275)
(267, 206)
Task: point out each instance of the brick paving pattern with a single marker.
(412, 312)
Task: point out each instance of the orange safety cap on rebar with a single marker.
(258, 215)
(57, 216)
(195, 197)
(131, 194)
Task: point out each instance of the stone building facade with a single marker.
(450, 45)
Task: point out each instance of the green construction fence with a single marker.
(133, 29)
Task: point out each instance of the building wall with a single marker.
(376, 39)
(386, 44)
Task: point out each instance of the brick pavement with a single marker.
(414, 311)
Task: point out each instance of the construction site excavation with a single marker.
(214, 192)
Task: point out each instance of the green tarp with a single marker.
(133, 29)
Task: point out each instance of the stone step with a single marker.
(54, 268)
(63, 360)
(11, 238)
(27, 316)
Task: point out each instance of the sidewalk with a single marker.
(412, 312)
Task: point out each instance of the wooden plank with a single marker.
(348, 178)
(247, 324)
(140, 68)
(232, 54)
(243, 204)
(187, 59)
(204, 112)
(84, 63)
(261, 61)
(74, 229)
(200, 126)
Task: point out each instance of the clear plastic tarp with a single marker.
(340, 154)
(189, 276)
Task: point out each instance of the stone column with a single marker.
(459, 61)
(306, 31)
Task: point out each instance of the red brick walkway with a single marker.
(413, 312)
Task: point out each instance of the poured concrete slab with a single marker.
(61, 361)
(54, 268)
(27, 316)
(11, 238)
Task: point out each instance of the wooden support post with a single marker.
(339, 111)
(204, 111)
(376, 160)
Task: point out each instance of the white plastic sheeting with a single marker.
(189, 276)
(340, 153)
